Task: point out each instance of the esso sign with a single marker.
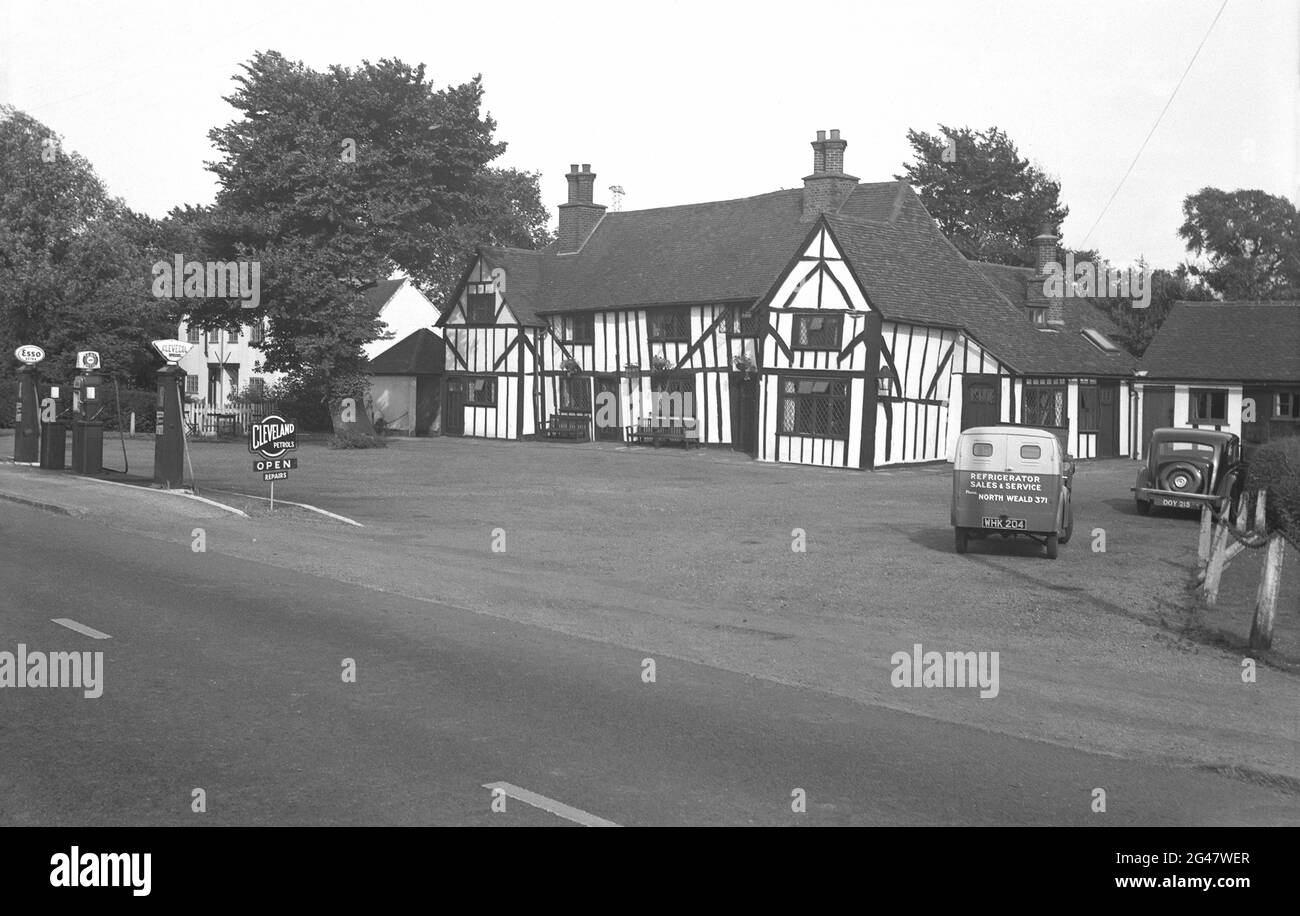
(172, 350)
(87, 359)
(30, 355)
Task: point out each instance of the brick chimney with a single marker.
(1045, 253)
(828, 186)
(580, 215)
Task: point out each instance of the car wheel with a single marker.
(1182, 477)
(1051, 548)
(1144, 506)
(962, 537)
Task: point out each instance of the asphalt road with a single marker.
(226, 675)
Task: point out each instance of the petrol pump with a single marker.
(27, 421)
(54, 429)
(87, 404)
(169, 431)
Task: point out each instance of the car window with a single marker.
(1176, 447)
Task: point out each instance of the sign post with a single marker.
(269, 439)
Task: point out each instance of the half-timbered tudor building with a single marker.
(1232, 366)
(832, 325)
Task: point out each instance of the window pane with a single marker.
(982, 449)
(1030, 451)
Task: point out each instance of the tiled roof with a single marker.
(418, 353)
(1227, 341)
(523, 279)
(729, 250)
(378, 295)
(1064, 347)
(736, 250)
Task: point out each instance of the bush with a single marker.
(1275, 467)
(144, 404)
(296, 398)
(350, 439)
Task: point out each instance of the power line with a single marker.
(1159, 118)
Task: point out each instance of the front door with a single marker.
(1157, 411)
(744, 413)
(453, 418)
(426, 404)
(609, 427)
(1107, 419)
(981, 400)
(214, 386)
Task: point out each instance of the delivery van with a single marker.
(1012, 480)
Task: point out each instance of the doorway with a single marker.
(1157, 411)
(981, 400)
(453, 418)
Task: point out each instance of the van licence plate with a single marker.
(1015, 524)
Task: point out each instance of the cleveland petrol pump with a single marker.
(87, 404)
(27, 421)
(169, 438)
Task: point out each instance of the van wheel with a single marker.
(1051, 549)
(962, 538)
(1069, 524)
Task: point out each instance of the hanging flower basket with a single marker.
(744, 364)
(660, 364)
(571, 366)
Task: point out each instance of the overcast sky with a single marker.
(686, 102)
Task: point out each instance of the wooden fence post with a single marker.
(1203, 545)
(1218, 559)
(1270, 582)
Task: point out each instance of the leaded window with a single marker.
(815, 407)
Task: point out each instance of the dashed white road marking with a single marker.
(79, 627)
(559, 809)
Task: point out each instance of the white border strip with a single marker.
(79, 627)
(341, 518)
(176, 492)
(559, 809)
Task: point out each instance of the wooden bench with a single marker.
(563, 425)
(664, 429)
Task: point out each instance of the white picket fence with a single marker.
(202, 420)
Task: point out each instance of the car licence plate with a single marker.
(1015, 524)
(1175, 503)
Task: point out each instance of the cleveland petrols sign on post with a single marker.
(270, 439)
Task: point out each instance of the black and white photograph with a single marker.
(684, 414)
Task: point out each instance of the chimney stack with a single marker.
(580, 215)
(1045, 253)
(828, 186)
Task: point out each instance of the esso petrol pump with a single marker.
(27, 421)
(87, 404)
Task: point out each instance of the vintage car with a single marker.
(1012, 480)
(1189, 468)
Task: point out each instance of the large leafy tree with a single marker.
(74, 262)
(986, 198)
(331, 181)
(1250, 241)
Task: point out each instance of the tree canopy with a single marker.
(1250, 239)
(987, 199)
(74, 262)
(334, 180)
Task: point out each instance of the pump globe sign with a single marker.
(31, 355)
(270, 438)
